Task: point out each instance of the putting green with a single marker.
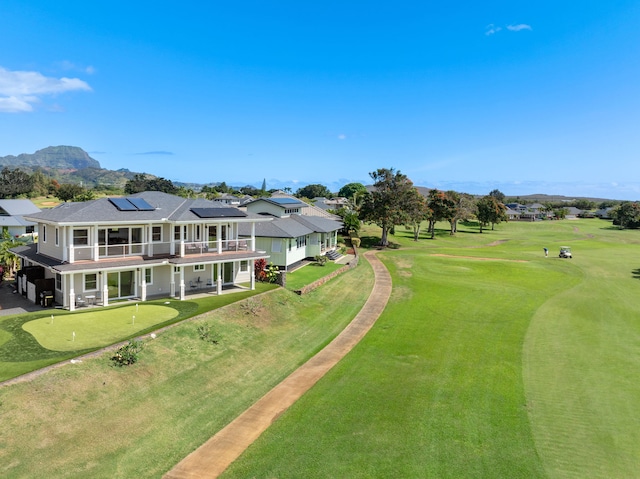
(96, 327)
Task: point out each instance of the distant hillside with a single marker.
(68, 164)
(54, 157)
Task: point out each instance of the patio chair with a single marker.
(192, 285)
(80, 301)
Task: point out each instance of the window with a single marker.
(80, 237)
(90, 282)
(301, 241)
(44, 233)
(29, 229)
(197, 233)
(176, 269)
(156, 234)
(291, 211)
(176, 233)
(57, 236)
(198, 267)
(276, 246)
(58, 281)
(148, 276)
(244, 266)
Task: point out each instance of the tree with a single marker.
(263, 190)
(490, 210)
(386, 205)
(14, 182)
(626, 215)
(498, 195)
(313, 191)
(417, 212)
(9, 260)
(350, 220)
(351, 189)
(464, 207)
(442, 208)
(142, 182)
(69, 192)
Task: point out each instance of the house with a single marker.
(12, 213)
(292, 236)
(330, 204)
(147, 244)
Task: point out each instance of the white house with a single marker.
(292, 236)
(12, 213)
(144, 245)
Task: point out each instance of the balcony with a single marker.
(166, 249)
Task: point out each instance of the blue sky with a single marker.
(526, 97)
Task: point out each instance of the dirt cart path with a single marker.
(214, 456)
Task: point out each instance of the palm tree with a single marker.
(8, 260)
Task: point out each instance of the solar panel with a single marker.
(141, 204)
(218, 212)
(123, 204)
(284, 201)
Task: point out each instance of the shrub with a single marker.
(355, 242)
(271, 273)
(204, 331)
(321, 259)
(260, 266)
(127, 354)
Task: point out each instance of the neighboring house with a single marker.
(512, 214)
(603, 213)
(573, 213)
(330, 204)
(12, 220)
(228, 199)
(147, 244)
(309, 210)
(292, 236)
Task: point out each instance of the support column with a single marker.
(252, 274)
(72, 293)
(219, 280)
(105, 293)
(253, 236)
(182, 296)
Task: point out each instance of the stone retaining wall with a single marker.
(350, 265)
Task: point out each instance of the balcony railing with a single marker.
(173, 248)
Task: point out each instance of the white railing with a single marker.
(174, 248)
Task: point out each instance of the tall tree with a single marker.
(498, 195)
(490, 210)
(387, 203)
(417, 211)
(442, 208)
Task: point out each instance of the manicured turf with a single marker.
(482, 368)
(97, 327)
(20, 351)
(310, 273)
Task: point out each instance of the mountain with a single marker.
(52, 157)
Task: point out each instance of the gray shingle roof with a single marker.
(166, 207)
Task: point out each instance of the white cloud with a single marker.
(342, 136)
(19, 90)
(491, 29)
(518, 27)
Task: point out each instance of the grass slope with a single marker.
(94, 420)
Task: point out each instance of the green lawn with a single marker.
(518, 366)
(310, 273)
(33, 340)
(92, 419)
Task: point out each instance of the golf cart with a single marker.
(565, 252)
